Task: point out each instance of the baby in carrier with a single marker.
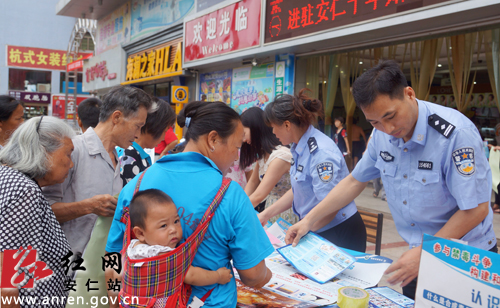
(156, 224)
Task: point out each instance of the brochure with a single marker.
(289, 288)
(317, 258)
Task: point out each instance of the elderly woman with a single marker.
(192, 179)
(11, 116)
(38, 154)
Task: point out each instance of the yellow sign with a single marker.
(154, 64)
(180, 94)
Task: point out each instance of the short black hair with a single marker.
(8, 105)
(88, 112)
(159, 119)
(263, 140)
(386, 78)
(126, 99)
(206, 117)
(138, 209)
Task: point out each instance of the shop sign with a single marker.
(234, 27)
(97, 71)
(59, 100)
(294, 18)
(216, 86)
(180, 94)
(113, 29)
(453, 274)
(78, 63)
(280, 77)
(154, 64)
(31, 97)
(39, 58)
(252, 86)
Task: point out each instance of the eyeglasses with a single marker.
(38, 126)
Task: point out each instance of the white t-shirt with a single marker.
(142, 251)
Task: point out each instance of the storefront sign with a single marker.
(31, 97)
(58, 102)
(78, 63)
(280, 77)
(216, 86)
(234, 27)
(294, 18)
(97, 71)
(40, 58)
(452, 274)
(180, 94)
(113, 29)
(253, 86)
(105, 70)
(153, 64)
(148, 16)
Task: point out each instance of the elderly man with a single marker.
(95, 178)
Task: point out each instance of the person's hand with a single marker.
(225, 275)
(263, 218)
(102, 205)
(297, 231)
(406, 268)
(494, 147)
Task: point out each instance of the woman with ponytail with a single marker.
(317, 167)
(193, 179)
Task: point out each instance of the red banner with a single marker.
(234, 27)
(41, 58)
(79, 63)
(58, 102)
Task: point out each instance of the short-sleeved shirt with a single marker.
(235, 233)
(340, 141)
(169, 137)
(133, 161)
(93, 174)
(27, 219)
(440, 170)
(317, 167)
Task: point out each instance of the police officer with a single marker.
(431, 161)
(317, 166)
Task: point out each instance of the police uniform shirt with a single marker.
(317, 166)
(440, 170)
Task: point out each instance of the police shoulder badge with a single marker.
(325, 171)
(463, 159)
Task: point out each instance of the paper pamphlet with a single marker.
(495, 168)
(289, 288)
(317, 258)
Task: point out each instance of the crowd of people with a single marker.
(100, 192)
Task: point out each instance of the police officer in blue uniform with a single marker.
(431, 160)
(317, 166)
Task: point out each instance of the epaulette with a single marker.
(443, 127)
(313, 145)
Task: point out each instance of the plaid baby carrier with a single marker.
(159, 281)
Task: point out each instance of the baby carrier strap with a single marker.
(163, 276)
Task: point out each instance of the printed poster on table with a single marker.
(289, 288)
(453, 274)
(252, 86)
(149, 16)
(58, 103)
(216, 86)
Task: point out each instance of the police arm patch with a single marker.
(464, 161)
(325, 171)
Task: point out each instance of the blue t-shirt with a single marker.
(235, 233)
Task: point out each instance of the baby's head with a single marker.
(154, 218)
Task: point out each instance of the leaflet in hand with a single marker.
(317, 258)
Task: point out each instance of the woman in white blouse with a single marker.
(270, 179)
